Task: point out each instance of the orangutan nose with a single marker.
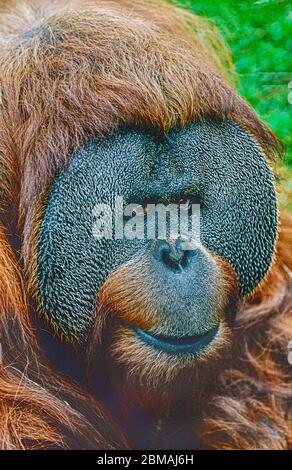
(171, 253)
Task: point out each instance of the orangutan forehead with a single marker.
(96, 67)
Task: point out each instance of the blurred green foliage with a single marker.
(259, 36)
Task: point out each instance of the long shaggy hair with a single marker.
(70, 70)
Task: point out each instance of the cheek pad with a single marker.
(72, 263)
(238, 215)
(236, 185)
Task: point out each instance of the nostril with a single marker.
(171, 260)
(171, 254)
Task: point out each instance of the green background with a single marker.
(259, 36)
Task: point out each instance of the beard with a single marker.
(152, 379)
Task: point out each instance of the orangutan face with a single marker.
(169, 303)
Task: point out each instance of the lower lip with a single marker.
(183, 345)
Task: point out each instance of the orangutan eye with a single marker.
(128, 215)
(186, 202)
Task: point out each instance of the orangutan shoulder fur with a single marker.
(71, 70)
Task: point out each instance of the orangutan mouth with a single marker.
(178, 345)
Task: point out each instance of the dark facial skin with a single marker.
(216, 164)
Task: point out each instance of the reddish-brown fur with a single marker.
(155, 66)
